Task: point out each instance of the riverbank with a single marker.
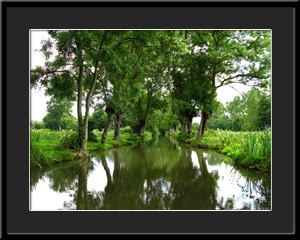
(248, 149)
(46, 148)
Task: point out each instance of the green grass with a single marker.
(249, 149)
(45, 152)
(46, 148)
(46, 134)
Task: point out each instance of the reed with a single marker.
(250, 149)
(46, 134)
(37, 156)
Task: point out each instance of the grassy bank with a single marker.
(248, 149)
(49, 147)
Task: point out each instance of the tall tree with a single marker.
(56, 110)
(79, 66)
(144, 71)
(264, 112)
(234, 57)
(190, 89)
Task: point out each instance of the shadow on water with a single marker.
(156, 175)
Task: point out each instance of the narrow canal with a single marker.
(156, 175)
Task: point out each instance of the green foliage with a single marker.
(37, 156)
(180, 136)
(263, 118)
(195, 126)
(250, 149)
(126, 129)
(36, 125)
(131, 72)
(92, 125)
(92, 137)
(46, 134)
(152, 128)
(58, 112)
(134, 136)
(70, 141)
(146, 135)
(252, 112)
(100, 118)
(69, 122)
(168, 120)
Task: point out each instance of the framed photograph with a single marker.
(140, 180)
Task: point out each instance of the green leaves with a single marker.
(56, 109)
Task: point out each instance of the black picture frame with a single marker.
(19, 17)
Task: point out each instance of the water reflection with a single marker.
(154, 175)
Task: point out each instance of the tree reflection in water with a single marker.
(155, 176)
(254, 186)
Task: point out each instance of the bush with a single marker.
(127, 129)
(70, 141)
(92, 137)
(181, 136)
(46, 134)
(211, 132)
(152, 128)
(133, 136)
(145, 135)
(37, 156)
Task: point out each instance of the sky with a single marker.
(38, 106)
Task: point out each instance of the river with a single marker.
(159, 174)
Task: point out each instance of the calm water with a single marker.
(155, 175)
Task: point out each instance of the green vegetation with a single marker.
(58, 113)
(49, 147)
(143, 83)
(248, 149)
(250, 112)
(44, 148)
(36, 125)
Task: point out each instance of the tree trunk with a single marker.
(203, 123)
(117, 171)
(59, 127)
(189, 128)
(203, 167)
(183, 126)
(117, 126)
(82, 185)
(81, 133)
(109, 186)
(110, 113)
(142, 126)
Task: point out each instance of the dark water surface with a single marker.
(155, 175)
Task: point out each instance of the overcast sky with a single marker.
(38, 99)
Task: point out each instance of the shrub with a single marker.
(46, 134)
(152, 128)
(133, 136)
(211, 133)
(145, 135)
(92, 137)
(70, 141)
(127, 129)
(37, 156)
